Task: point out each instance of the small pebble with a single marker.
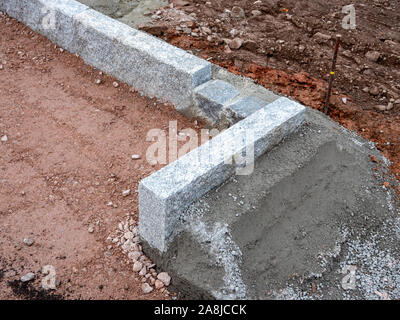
(115, 84)
(4, 138)
(135, 157)
(29, 241)
(380, 107)
(235, 44)
(143, 271)
(165, 278)
(128, 235)
(135, 255)
(137, 266)
(159, 284)
(28, 277)
(146, 288)
(126, 193)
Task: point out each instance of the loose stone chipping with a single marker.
(126, 238)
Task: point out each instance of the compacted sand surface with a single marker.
(65, 155)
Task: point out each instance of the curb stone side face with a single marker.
(146, 63)
(97, 39)
(244, 106)
(213, 95)
(161, 70)
(53, 19)
(164, 195)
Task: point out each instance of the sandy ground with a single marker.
(67, 155)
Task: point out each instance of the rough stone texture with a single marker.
(244, 106)
(99, 40)
(14, 8)
(161, 70)
(165, 194)
(213, 95)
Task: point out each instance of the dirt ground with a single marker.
(287, 46)
(66, 157)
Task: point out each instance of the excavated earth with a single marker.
(287, 46)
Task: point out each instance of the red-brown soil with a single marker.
(281, 51)
(67, 155)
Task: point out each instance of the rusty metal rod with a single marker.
(332, 73)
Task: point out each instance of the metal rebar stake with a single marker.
(332, 73)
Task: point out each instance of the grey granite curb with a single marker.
(151, 65)
(212, 96)
(164, 195)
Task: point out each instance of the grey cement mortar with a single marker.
(311, 207)
(246, 86)
(133, 13)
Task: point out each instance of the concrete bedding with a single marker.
(294, 224)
